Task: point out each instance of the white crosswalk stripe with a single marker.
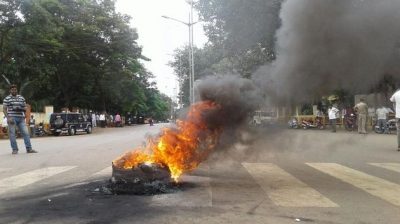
(389, 166)
(105, 172)
(200, 196)
(284, 189)
(376, 186)
(31, 177)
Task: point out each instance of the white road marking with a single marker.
(284, 189)
(389, 166)
(198, 196)
(376, 186)
(31, 177)
(105, 172)
(4, 169)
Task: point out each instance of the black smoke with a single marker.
(324, 45)
(236, 98)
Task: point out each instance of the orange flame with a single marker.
(181, 149)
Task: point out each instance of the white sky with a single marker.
(159, 37)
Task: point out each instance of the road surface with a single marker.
(287, 176)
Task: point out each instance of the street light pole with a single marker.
(180, 82)
(191, 46)
(191, 58)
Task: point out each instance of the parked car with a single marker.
(69, 123)
(264, 118)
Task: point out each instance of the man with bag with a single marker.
(14, 108)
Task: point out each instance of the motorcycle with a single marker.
(390, 124)
(40, 131)
(351, 123)
(292, 123)
(309, 124)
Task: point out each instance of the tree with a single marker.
(243, 30)
(75, 53)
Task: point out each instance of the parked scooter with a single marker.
(293, 123)
(309, 124)
(351, 123)
(390, 124)
(40, 131)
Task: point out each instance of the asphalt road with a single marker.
(281, 176)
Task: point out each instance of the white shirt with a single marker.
(396, 99)
(371, 111)
(381, 112)
(332, 113)
(102, 117)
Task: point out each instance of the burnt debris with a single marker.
(143, 179)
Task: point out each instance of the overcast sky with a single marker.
(159, 37)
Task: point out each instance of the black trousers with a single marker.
(333, 124)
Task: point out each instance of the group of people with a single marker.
(102, 120)
(361, 110)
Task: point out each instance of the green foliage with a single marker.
(243, 31)
(74, 53)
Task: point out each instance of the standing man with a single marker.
(381, 115)
(32, 126)
(89, 117)
(396, 106)
(14, 108)
(332, 111)
(102, 120)
(361, 109)
(97, 120)
(93, 120)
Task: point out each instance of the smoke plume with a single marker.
(324, 45)
(236, 97)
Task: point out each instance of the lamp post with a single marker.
(180, 80)
(191, 60)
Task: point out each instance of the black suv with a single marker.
(69, 123)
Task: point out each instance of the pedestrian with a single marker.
(381, 116)
(361, 110)
(332, 112)
(32, 127)
(97, 120)
(118, 120)
(396, 106)
(14, 108)
(94, 120)
(89, 117)
(102, 119)
(320, 113)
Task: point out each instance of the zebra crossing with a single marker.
(281, 187)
